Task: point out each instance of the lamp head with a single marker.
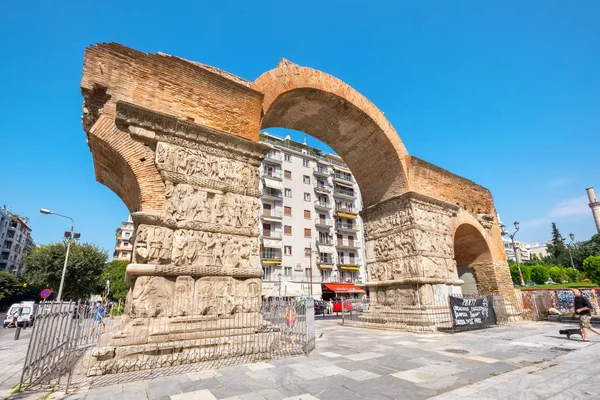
(572, 236)
(516, 224)
(45, 211)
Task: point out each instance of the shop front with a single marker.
(342, 290)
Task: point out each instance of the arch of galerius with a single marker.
(178, 142)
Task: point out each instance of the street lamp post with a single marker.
(62, 279)
(568, 246)
(512, 238)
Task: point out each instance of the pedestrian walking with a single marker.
(99, 318)
(15, 318)
(583, 309)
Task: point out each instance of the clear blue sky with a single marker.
(504, 93)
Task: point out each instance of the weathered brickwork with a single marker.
(323, 106)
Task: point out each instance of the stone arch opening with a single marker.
(326, 108)
(471, 253)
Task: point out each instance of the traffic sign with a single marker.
(45, 293)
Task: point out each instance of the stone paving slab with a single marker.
(520, 361)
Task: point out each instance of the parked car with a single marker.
(549, 282)
(358, 305)
(28, 310)
(339, 303)
(321, 307)
(530, 283)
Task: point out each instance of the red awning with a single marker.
(343, 288)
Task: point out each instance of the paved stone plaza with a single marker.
(521, 361)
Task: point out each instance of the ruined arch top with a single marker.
(330, 110)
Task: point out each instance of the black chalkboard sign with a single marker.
(472, 313)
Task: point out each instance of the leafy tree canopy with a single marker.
(114, 272)
(43, 268)
(591, 265)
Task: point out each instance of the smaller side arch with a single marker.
(478, 262)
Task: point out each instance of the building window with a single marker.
(287, 157)
(306, 196)
(288, 192)
(306, 179)
(307, 252)
(307, 232)
(307, 214)
(287, 250)
(288, 271)
(305, 162)
(127, 234)
(267, 273)
(287, 211)
(287, 174)
(287, 229)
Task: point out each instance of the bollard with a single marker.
(17, 332)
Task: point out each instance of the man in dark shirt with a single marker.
(583, 308)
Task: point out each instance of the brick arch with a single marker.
(328, 109)
(126, 167)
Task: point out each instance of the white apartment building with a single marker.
(311, 233)
(522, 250)
(123, 247)
(15, 236)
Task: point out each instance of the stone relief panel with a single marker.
(187, 203)
(208, 164)
(153, 245)
(184, 296)
(224, 296)
(152, 296)
(214, 249)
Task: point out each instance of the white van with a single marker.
(29, 308)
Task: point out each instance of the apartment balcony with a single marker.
(323, 223)
(322, 171)
(350, 263)
(269, 258)
(123, 238)
(272, 174)
(121, 248)
(346, 210)
(325, 242)
(271, 194)
(323, 205)
(346, 227)
(274, 157)
(325, 261)
(271, 235)
(343, 178)
(323, 189)
(271, 215)
(344, 193)
(119, 258)
(347, 244)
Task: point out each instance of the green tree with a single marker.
(557, 251)
(43, 267)
(8, 284)
(539, 274)
(573, 275)
(591, 265)
(114, 272)
(558, 274)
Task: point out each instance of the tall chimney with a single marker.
(595, 206)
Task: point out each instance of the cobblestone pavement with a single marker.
(521, 361)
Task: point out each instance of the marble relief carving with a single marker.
(153, 245)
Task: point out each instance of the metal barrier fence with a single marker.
(69, 347)
(61, 331)
(442, 314)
